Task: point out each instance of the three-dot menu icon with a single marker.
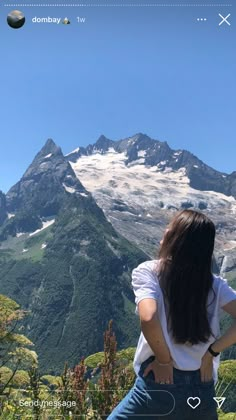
(201, 19)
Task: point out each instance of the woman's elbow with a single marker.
(147, 310)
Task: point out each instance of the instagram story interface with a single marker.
(118, 210)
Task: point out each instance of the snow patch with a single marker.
(168, 169)
(230, 245)
(177, 153)
(136, 162)
(45, 226)
(10, 215)
(128, 212)
(141, 153)
(69, 189)
(48, 156)
(195, 166)
(132, 140)
(73, 151)
(19, 234)
(84, 195)
(43, 246)
(96, 151)
(25, 250)
(112, 217)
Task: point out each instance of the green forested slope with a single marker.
(75, 285)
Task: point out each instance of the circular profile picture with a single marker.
(16, 19)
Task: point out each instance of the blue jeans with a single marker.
(149, 400)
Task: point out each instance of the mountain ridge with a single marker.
(202, 176)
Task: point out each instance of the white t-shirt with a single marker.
(185, 356)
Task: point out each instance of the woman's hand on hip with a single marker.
(206, 368)
(162, 374)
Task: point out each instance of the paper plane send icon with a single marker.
(219, 401)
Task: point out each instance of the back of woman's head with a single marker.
(185, 274)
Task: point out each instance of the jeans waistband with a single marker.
(180, 376)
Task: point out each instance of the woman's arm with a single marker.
(229, 337)
(162, 366)
(152, 331)
(146, 292)
(225, 341)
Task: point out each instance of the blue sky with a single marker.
(126, 70)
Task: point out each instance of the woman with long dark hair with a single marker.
(178, 300)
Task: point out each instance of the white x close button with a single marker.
(224, 19)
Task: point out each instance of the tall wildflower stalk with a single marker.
(35, 392)
(65, 390)
(109, 382)
(80, 387)
(112, 384)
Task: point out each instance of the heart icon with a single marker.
(193, 402)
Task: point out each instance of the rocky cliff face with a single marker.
(44, 183)
(40, 192)
(232, 184)
(3, 210)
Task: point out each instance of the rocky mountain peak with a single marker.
(139, 140)
(103, 140)
(139, 137)
(50, 148)
(145, 149)
(45, 184)
(49, 158)
(102, 145)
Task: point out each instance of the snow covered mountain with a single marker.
(140, 182)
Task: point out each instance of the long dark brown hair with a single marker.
(185, 275)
